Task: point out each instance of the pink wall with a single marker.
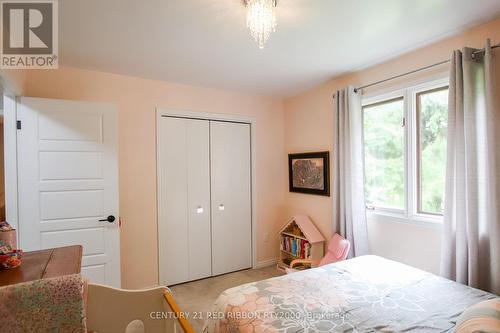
(136, 100)
(311, 115)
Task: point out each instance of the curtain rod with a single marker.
(414, 71)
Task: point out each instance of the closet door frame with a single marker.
(165, 112)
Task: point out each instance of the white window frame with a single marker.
(409, 213)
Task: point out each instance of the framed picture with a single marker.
(309, 173)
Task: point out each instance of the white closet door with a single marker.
(184, 214)
(231, 197)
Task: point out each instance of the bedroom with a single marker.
(136, 62)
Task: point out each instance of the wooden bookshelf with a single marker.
(292, 235)
(300, 239)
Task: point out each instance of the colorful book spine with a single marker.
(297, 247)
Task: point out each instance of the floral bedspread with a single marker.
(364, 294)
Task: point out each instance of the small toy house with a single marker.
(300, 239)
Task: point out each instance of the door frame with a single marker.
(10, 155)
(179, 113)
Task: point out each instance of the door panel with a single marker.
(231, 197)
(184, 206)
(92, 239)
(70, 165)
(94, 272)
(83, 126)
(76, 204)
(172, 178)
(198, 151)
(68, 180)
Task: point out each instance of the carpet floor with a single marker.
(197, 297)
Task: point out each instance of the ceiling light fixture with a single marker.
(261, 19)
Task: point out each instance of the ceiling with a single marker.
(206, 42)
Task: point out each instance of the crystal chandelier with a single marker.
(261, 19)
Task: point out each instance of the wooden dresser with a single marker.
(44, 264)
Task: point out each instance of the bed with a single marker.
(364, 294)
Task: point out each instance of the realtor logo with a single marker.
(29, 35)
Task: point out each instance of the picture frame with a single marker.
(309, 173)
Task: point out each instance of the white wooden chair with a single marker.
(112, 310)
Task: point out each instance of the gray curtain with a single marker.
(471, 230)
(349, 211)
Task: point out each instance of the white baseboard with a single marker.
(266, 263)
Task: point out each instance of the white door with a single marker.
(231, 196)
(184, 200)
(68, 181)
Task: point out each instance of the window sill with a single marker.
(420, 220)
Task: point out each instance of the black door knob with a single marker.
(109, 219)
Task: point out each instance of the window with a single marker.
(432, 117)
(405, 151)
(384, 154)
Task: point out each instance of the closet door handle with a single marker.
(221, 207)
(199, 210)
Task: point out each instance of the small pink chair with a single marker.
(338, 249)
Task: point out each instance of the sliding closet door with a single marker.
(184, 200)
(231, 197)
